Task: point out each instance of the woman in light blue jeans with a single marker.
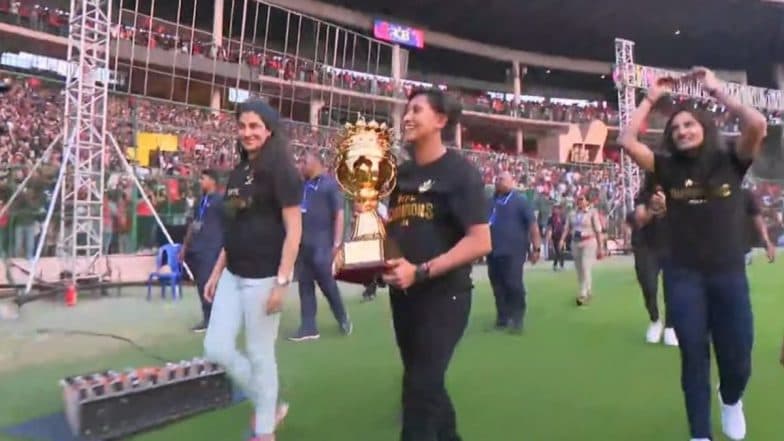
(263, 227)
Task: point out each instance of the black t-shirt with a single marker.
(655, 234)
(253, 227)
(752, 210)
(705, 209)
(430, 211)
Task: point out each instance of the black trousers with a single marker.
(558, 253)
(201, 266)
(428, 327)
(506, 278)
(648, 264)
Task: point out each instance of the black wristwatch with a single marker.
(422, 273)
(536, 249)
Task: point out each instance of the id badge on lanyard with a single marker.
(498, 202)
(306, 192)
(197, 224)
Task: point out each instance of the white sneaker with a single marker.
(670, 339)
(700, 439)
(654, 333)
(733, 421)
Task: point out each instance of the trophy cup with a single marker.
(366, 170)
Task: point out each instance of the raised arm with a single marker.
(639, 152)
(753, 124)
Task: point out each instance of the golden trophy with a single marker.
(366, 170)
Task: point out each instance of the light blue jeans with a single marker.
(239, 300)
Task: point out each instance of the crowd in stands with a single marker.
(31, 114)
(156, 33)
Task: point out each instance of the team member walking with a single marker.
(708, 293)
(263, 227)
(650, 242)
(438, 218)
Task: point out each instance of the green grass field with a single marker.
(575, 375)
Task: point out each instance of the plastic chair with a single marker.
(172, 278)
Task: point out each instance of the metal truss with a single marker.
(624, 65)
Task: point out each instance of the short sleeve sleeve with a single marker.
(287, 183)
(336, 199)
(526, 213)
(468, 202)
(741, 165)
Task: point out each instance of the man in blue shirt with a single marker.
(204, 239)
(513, 228)
(322, 233)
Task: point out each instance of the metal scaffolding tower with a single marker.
(624, 63)
(86, 105)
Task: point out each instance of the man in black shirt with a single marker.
(438, 219)
(650, 243)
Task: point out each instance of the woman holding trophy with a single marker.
(263, 227)
(438, 220)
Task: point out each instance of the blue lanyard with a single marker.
(205, 202)
(309, 186)
(499, 201)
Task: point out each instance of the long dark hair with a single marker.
(277, 143)
(707, 153)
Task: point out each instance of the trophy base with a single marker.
(362, 276)
(363, 261)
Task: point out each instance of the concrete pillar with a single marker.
(215, 100)
(397, 76)
(517, 87)
(217, 38)
(519, 141)
(458, 136)
(217, 22)
(315, 111)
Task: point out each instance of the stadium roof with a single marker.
(730, 34)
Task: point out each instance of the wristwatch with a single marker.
(536, 249)
(283, 281)
(422, 272)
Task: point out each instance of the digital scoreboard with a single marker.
(399, 34)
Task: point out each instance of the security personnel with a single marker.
(322, 233)
(204, 240)
(512, 227)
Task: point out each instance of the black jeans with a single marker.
(709, 307)
(648, 264)
(201, 266)
(428, 327)
(558, 254)
(506, 278)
